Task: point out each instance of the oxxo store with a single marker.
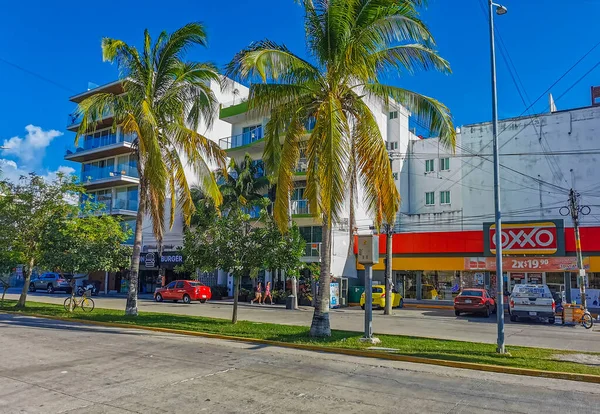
(157, 270)
(436, 265)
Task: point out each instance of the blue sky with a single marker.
(60, 40)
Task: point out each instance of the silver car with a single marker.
(51, 282)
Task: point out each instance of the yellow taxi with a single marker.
(379, 298)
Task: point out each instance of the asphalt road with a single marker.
(58, 367)
(435, 323)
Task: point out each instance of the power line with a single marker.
(592, 151)
(37, 75)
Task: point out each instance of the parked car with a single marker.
(474, 301)
(184, 290)
(51, 282)
(532, 302)
(378, 295)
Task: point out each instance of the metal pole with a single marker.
(388, 271)
(498, 215)
(368, 301)
(573, 197)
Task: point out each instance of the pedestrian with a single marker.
(257, 294)
(268, 293)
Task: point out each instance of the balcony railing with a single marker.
(242, 139)
(300, 207)
(302, 165)
(125, 204)
(100, 173)
(90, 142)
(234, 102)
(312, 250)
(75, 118)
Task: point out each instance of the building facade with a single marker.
(445, 229)
(108, 171)
(248, 138)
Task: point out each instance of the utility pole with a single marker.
(575, 209)
(388, 270)
(500, 10)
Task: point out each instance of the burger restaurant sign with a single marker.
(526, 238)
(167, 260)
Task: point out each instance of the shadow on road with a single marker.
(29, 322)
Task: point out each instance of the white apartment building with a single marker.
(247, 137)
(109, 173)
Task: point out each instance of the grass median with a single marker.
(473, 352)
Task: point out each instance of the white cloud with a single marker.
(31, 149)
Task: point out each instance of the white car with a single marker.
(532, 302)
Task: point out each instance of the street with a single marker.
(59, 367)
(436, 323)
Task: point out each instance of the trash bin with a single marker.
(289, 302)
(355, 293)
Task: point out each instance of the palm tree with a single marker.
(352, 44)
(164, 103)
(243, 185)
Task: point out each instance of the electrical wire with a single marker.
(37, 75)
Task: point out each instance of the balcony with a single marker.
(300, 208)
(301, 167)
(108, 205)
(312, 252)
(100, 177)
(241, 140)
(123, 206)
(74, 119)
(233, 108)
(102, 146)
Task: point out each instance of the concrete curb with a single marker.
(594, 379)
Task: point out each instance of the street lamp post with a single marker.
(500, 10)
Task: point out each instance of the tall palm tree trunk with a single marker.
(320, 323)
(131, 307)
(236, 294)
(28, 271)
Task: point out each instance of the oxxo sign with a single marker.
(527, 238)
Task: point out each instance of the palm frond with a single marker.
(408, 58)
(428, 111)
(267, 60)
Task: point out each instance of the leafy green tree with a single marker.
(84, 244)
(166, 98)
(283, 251)
(27, 209)
(229, 243)
(352, 45)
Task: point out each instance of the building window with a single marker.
(430, 198)
(393, 115)
(428, 166)
(444, 164)
(445, 197)
(393, 145)
(395, 175)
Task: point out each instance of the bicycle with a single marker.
(85, 303)
(586, 319)
(578, 315)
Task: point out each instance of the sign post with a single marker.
(368, 255)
